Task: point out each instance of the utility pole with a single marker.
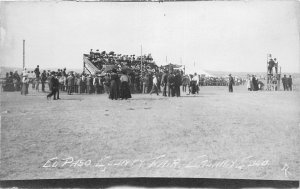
(23, 54)
(141, 59)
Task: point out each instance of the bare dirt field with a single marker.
(215, 134)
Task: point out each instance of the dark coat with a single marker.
(70, 81)
(54, 83)
(164, 78)
(177, 80)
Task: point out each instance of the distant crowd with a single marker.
(165, 81)
(122, 83)
(80, 83)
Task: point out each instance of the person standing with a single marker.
(54, 86)
(92, 55)
(16, 81)
(83, 83)
(194, 83)
(249, 83)
(231, 82)
(154, 85)
(88, 84)
(96, 84)
(185, 82)
(70, 83)
(137, 83)
(37, 77)
(57, 86)
(106, 83)
(79, 84)
(125, 89)
(171, 84)
(177, 84)
(289, 83)
(164, 82)
(254, 82)
(25, 82)
(49, 81)
(31, 76)
(271, 64)
(145, 83)
(43, 80)
(276, 65)
(284, 83)
(159, 76)
(75, 84)
(114, 85)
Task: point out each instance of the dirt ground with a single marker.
(215, 134)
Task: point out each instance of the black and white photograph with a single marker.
(150, 89)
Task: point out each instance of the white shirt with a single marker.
(196, 78)
(124, 78)
(154, 81)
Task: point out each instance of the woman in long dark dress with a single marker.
(114, 85)
(125, 89)
(255, 84)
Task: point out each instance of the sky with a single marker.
(220, 36)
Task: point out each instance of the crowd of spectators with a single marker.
(130, 61)
(141, 79)
(84, 83)
(220, 81)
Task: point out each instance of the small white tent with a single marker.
(198, 70)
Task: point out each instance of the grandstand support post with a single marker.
(23, 54)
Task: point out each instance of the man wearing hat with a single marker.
(54, 86)
(92, 56)
(43, 80)
(271, 64)
(89, 84)
(164, 82)
(231, 82)
(97, 54)
(284, 83)
(289, 83)
(70, 83)
(37, 77)
(57, 84)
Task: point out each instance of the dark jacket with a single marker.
(44, 77)
(54, 83)
(177, 80)
(231, 81)
(164, 78)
